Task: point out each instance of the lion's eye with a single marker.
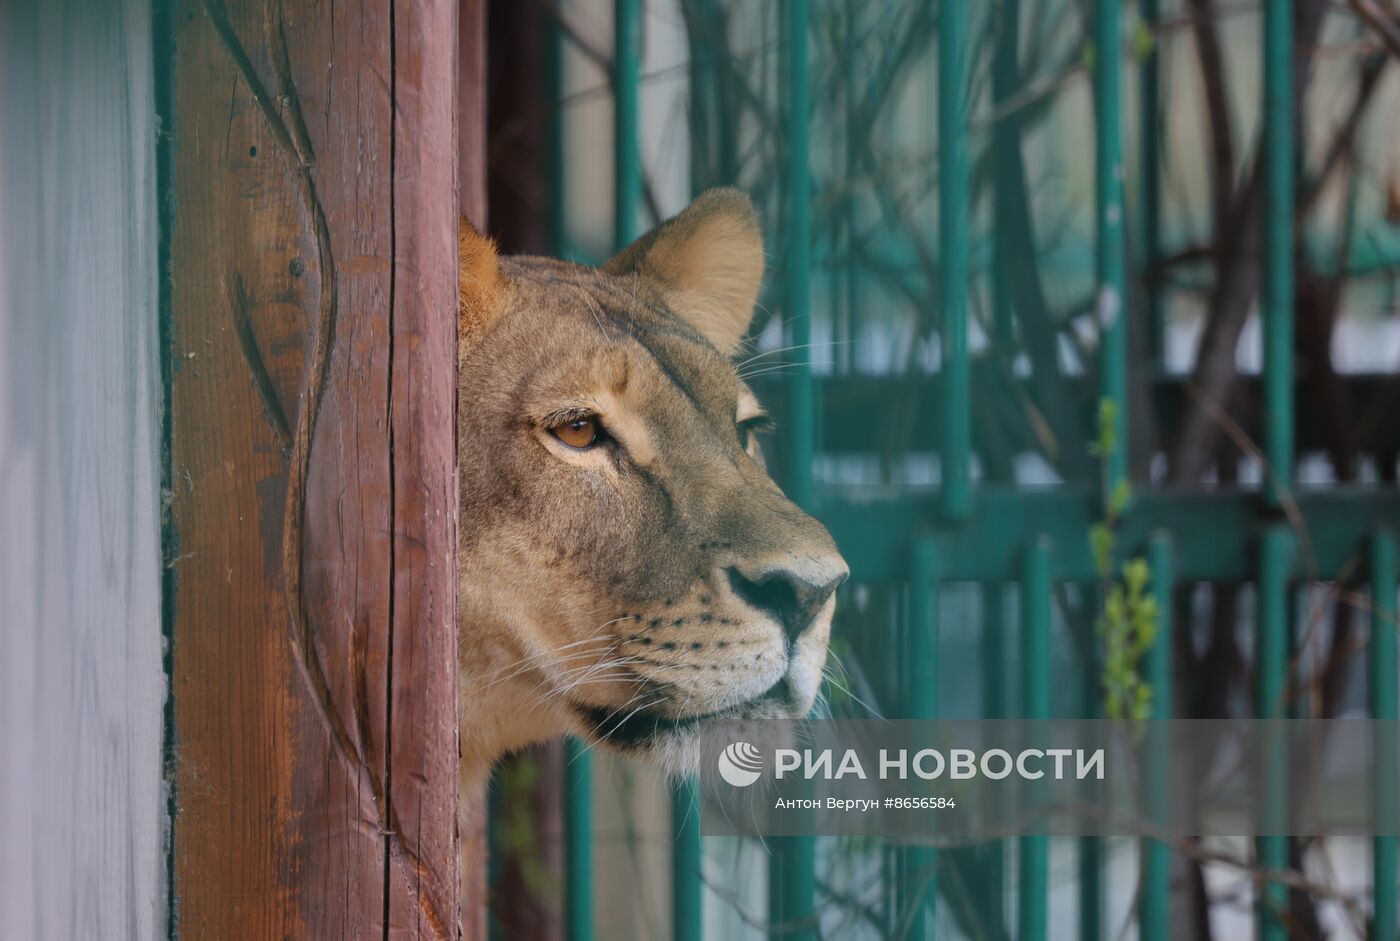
(749, 428)
(580, 433)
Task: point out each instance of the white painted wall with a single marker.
(81, 683)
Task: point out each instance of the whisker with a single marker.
(621, 675)
(777, 367)
(788, 349)
(627, 617)
(534, 662)
(534, 657)
(593, 309)
(830, 678)
(587, 674)
(623, 721)
(615, 710)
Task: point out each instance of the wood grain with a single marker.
(313, 447)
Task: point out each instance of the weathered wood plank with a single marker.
(81, 687)
(313, 282)
(423, 730)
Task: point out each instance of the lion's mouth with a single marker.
(640, 728)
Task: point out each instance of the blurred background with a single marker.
(1113, 324)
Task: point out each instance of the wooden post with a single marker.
(311, 216)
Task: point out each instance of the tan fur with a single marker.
(708, 261)
(609, 592)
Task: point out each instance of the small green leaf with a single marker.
(1143, 41)
(1101, 544)
(1107, 441)
(1127, 623)
(1118, 500)
(1135, 575)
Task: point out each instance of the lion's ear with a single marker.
(480, 294)
(708, 262)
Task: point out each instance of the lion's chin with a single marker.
(675, 745)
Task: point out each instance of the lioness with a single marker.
(628, 568)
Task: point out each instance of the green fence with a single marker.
(1022, 545)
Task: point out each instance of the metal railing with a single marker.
(997, 535)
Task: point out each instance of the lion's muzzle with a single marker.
(792, 595)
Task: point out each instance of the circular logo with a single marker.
(740, 764)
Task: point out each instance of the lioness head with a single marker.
(628, 568)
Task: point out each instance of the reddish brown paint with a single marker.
(313, 276)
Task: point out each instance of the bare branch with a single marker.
(1385, 23)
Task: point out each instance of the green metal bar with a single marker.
(1032, 913)
(627, 175)
(792, 880)
(921, 646)
(1216, 533)
(685, 861)
(846, 428)
(576, 789)
(1384, 707)
(578, 844)
(1090, 848)
(792, 866)
(994, 706)
(917, 888)
(801, 412)
(1271, 677)
(704, 112)
(1111, 311)
(686, 849)
(1006, 83)
(1108, 215)
(1154, 913)
(995, 614)
(850, 71)
(953, 246)
(1278, 246)
(627, 159)
(578, 771)
(1150, 133)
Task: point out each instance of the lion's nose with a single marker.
(792, 595)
